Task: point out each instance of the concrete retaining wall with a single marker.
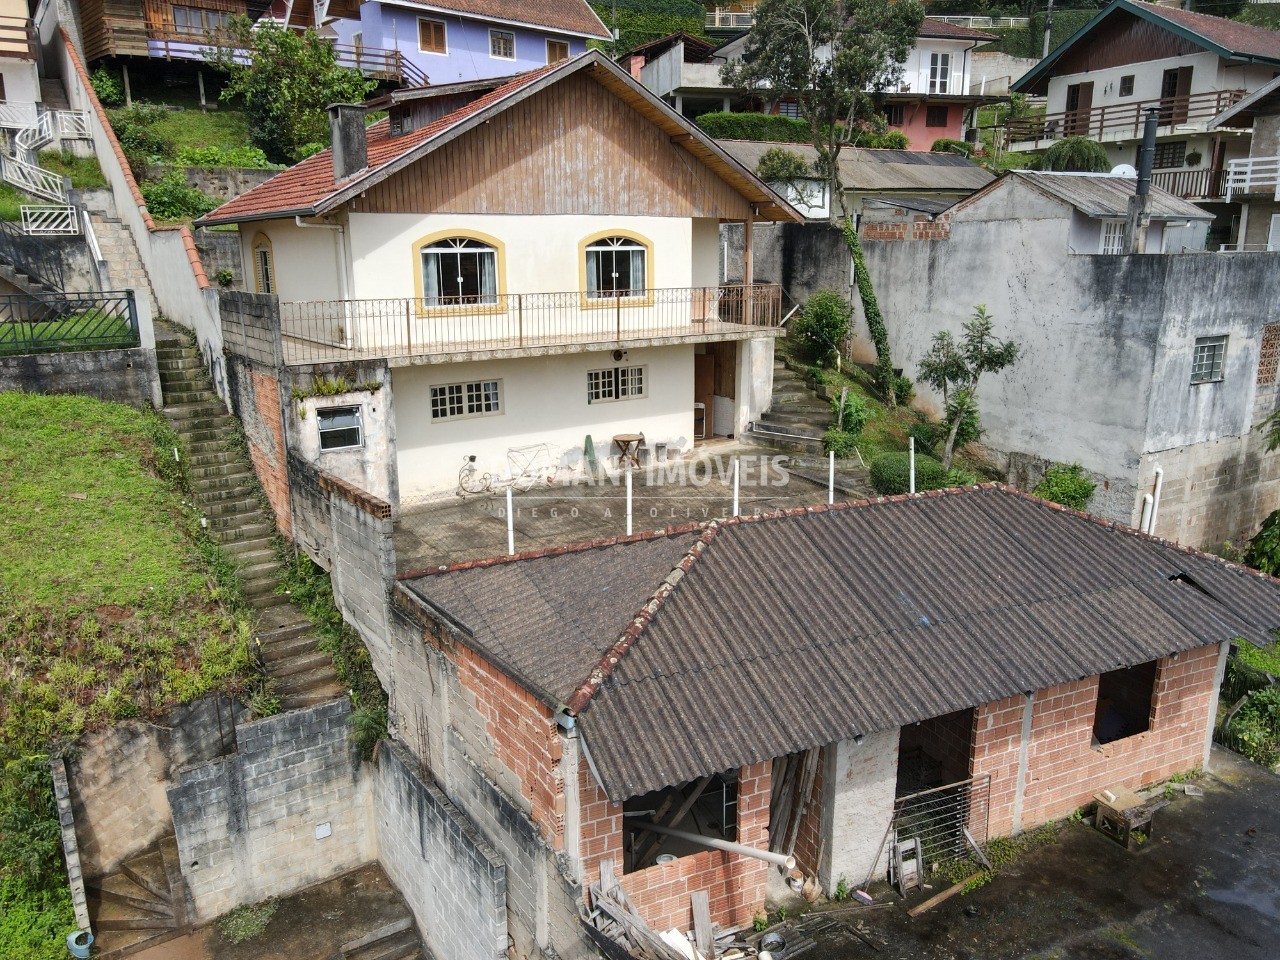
(123, 376)
(120, 775)
(289, 809)
(453, 880)
(221, 183)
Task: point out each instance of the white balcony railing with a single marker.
(729, 19)
(1253, 175)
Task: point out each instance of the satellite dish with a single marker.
(1125, 170)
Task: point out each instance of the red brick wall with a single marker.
(269, 461)
(1064, 770)
(947, 740)
(920, 227)
(736, 884)
(522, 730)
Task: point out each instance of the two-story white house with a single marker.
(1134, 57)
(534, 261)
(934, 99)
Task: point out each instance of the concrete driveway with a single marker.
(1206, 886)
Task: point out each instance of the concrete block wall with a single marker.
(859, 787)
(122, 376)
(255, 399)
(251, 327)
(362, 565)
(452, 879)
(120, 775)
(288, 809)
(1063, 770)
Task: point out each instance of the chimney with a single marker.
(350, 148)
(1135, 228)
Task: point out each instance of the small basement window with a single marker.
(339, 428)
(709, 807)
(1125, 697)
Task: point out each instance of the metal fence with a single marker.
(945, 819)
(335, 330)
(34, 257)
(1122, 120)
(61, 322)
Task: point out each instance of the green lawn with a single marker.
(11, 201)
(83, 331)
(114, 605)
(84, 172)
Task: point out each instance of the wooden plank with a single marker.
(703, 934)
(675, 821)
(946, 894)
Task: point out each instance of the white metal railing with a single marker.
(17, 115)
(1253, 175)
(41, 221)
(729, 20)
(33, 180)
(30, 139)
(95, 251)
(73, 125)
(987, 23)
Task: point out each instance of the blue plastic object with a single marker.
(79, 943)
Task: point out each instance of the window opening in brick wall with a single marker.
(1207, 361)
(339, 428)
(1125, 698)
(710, 809)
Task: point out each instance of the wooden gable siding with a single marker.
(573, 148)
(159, 13)
(1121, 39)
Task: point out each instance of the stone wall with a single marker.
(120, 775)
(288, 809)
(452, 879)
(221, 183)
(122, 376)
(220, 250)
(1062, 769)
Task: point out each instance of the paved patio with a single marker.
(455, 528)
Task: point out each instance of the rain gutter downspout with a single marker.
(344, 288)
(1155, 500)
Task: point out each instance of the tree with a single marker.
(836, 59)
(286, 79)
(1077, 155)
(953, 369)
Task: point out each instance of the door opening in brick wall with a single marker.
(707, 807)
(935, 752)
(1125, 699)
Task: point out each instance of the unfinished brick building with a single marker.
(802, 682)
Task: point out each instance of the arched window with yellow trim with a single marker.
(616, 266)
(264, 266)
(459, 270)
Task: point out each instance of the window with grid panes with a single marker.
(1172, 154)
(478, 398)
(1207, 362)
(615, 383)
(502, 44)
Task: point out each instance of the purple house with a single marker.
(460, 40)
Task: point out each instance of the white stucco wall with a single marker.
(1147, 77)
(306, 259)
(21, 80)
(544, 400)
(915, 71)
(858, 788)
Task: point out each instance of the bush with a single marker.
(855, 413)
(780, 165)
(927, 436)
(822, 325)
(1067, 485)
(962, 478)
(891, 473)
(107, 86)
(950, 145)
(250, 157)
(639, 21)
(769, 127)
(970, 425)
(1077, 155)
(1264, 549)
(904, 390)
(171, 199)
(140, 141)
(889, 140)
(840, 442)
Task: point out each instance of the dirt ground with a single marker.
(1206, 886)
(312, 924)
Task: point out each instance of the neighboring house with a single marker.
(1254, 181)
(453, 41)
(19, 78)
(1152, 371)
(1023, 656)
(1133, 57)
(934, 99)
(936, 178)
(528, 265)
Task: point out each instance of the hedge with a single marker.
(770, 127)
(643, 21)
(891, 474)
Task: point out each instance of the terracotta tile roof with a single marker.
(756, 637)
(932, 27)
(1232, 35)
(298, 189)
(572, 16)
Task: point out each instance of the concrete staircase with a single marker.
(53, 95)
(226, 493)
(397, 940)
(142, 905)
(796, 419)
(124, 262)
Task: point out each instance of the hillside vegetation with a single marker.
(115, 605)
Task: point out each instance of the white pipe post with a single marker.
(511, 527)
(735, 486)
(911, 479)
(1145, 523)
(1155, 500)
(831, 477)
(628, 501)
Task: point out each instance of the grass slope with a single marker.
(114, 605)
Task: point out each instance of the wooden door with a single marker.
(704, 386)
(1175, 90)
(1079, 103)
